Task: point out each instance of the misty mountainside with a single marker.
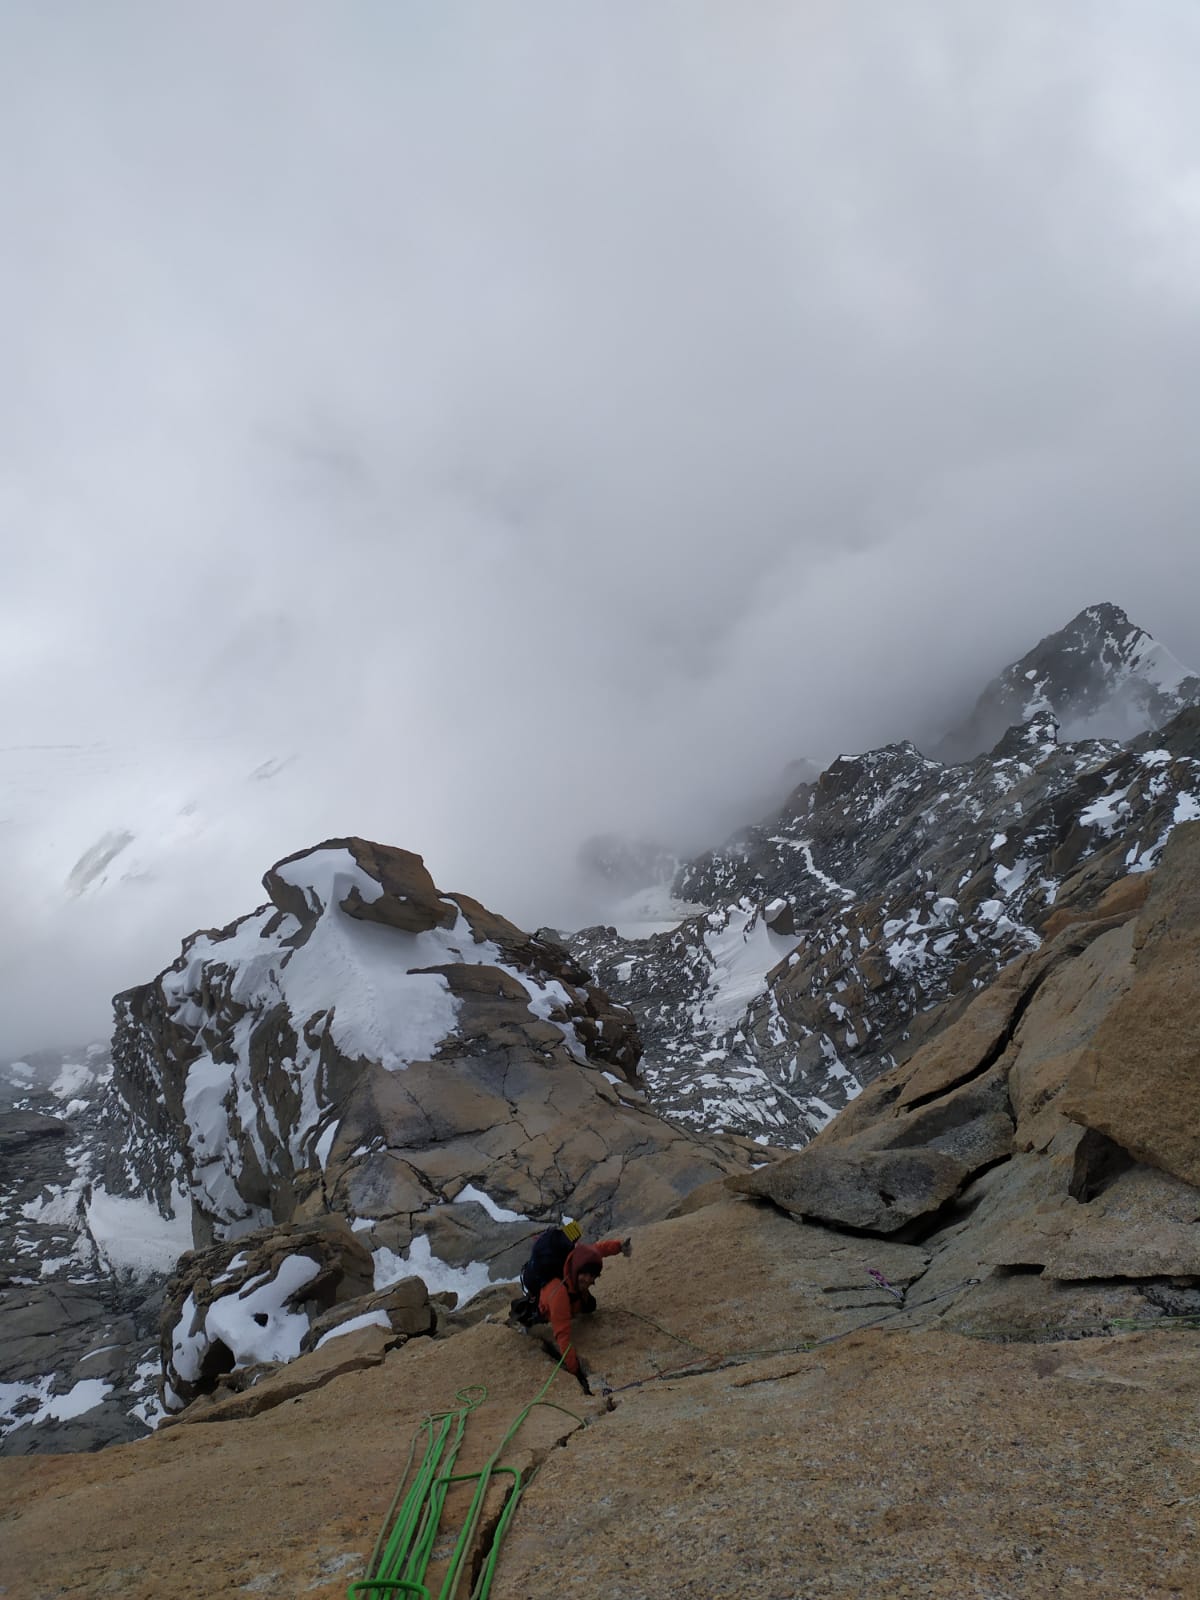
(829, 933)
(1101, 677)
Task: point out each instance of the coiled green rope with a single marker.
(403, 1551)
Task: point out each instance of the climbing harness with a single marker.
(404, 1549)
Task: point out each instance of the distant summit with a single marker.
(1101, 677)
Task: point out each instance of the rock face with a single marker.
(77, 1365)
(842, 1468)
(995, 1276)
(78, 1357)
(367, 1046)
(909, 883)
(1139, 1080)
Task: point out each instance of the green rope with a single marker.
(403, 1551)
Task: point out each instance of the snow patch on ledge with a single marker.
(497, 1212)
(369, 1319)
(438, 1276)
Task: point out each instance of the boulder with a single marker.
(875, 1191)
(403, 1309)
(252, 1300)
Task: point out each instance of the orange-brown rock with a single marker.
(740, 1458)
(1138, 1082)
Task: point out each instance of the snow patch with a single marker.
(437, 1275)
(132, 1235)
(369, 1319)
(83, 1396)
(496, 1212)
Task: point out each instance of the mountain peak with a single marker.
(1101, 676)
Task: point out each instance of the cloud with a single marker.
(536, 420)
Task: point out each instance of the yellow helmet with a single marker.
(572, 1229)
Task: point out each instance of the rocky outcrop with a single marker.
(1025, 1146)
(367, 1048)
(237, 1308)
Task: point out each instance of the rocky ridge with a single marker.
(362, 1047)
(369, 1049)
(838, 926)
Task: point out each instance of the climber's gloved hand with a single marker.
(626, 1247)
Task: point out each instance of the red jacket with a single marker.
(561, 1297)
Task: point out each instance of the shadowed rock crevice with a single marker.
(1098, 1162)
(995, 1052)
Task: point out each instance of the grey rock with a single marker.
(875, 1191)
(21, 1128)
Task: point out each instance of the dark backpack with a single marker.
(546, 1261)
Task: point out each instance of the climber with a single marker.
(547, 1260)
(558, 1280)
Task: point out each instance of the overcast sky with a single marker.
(541, 417)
